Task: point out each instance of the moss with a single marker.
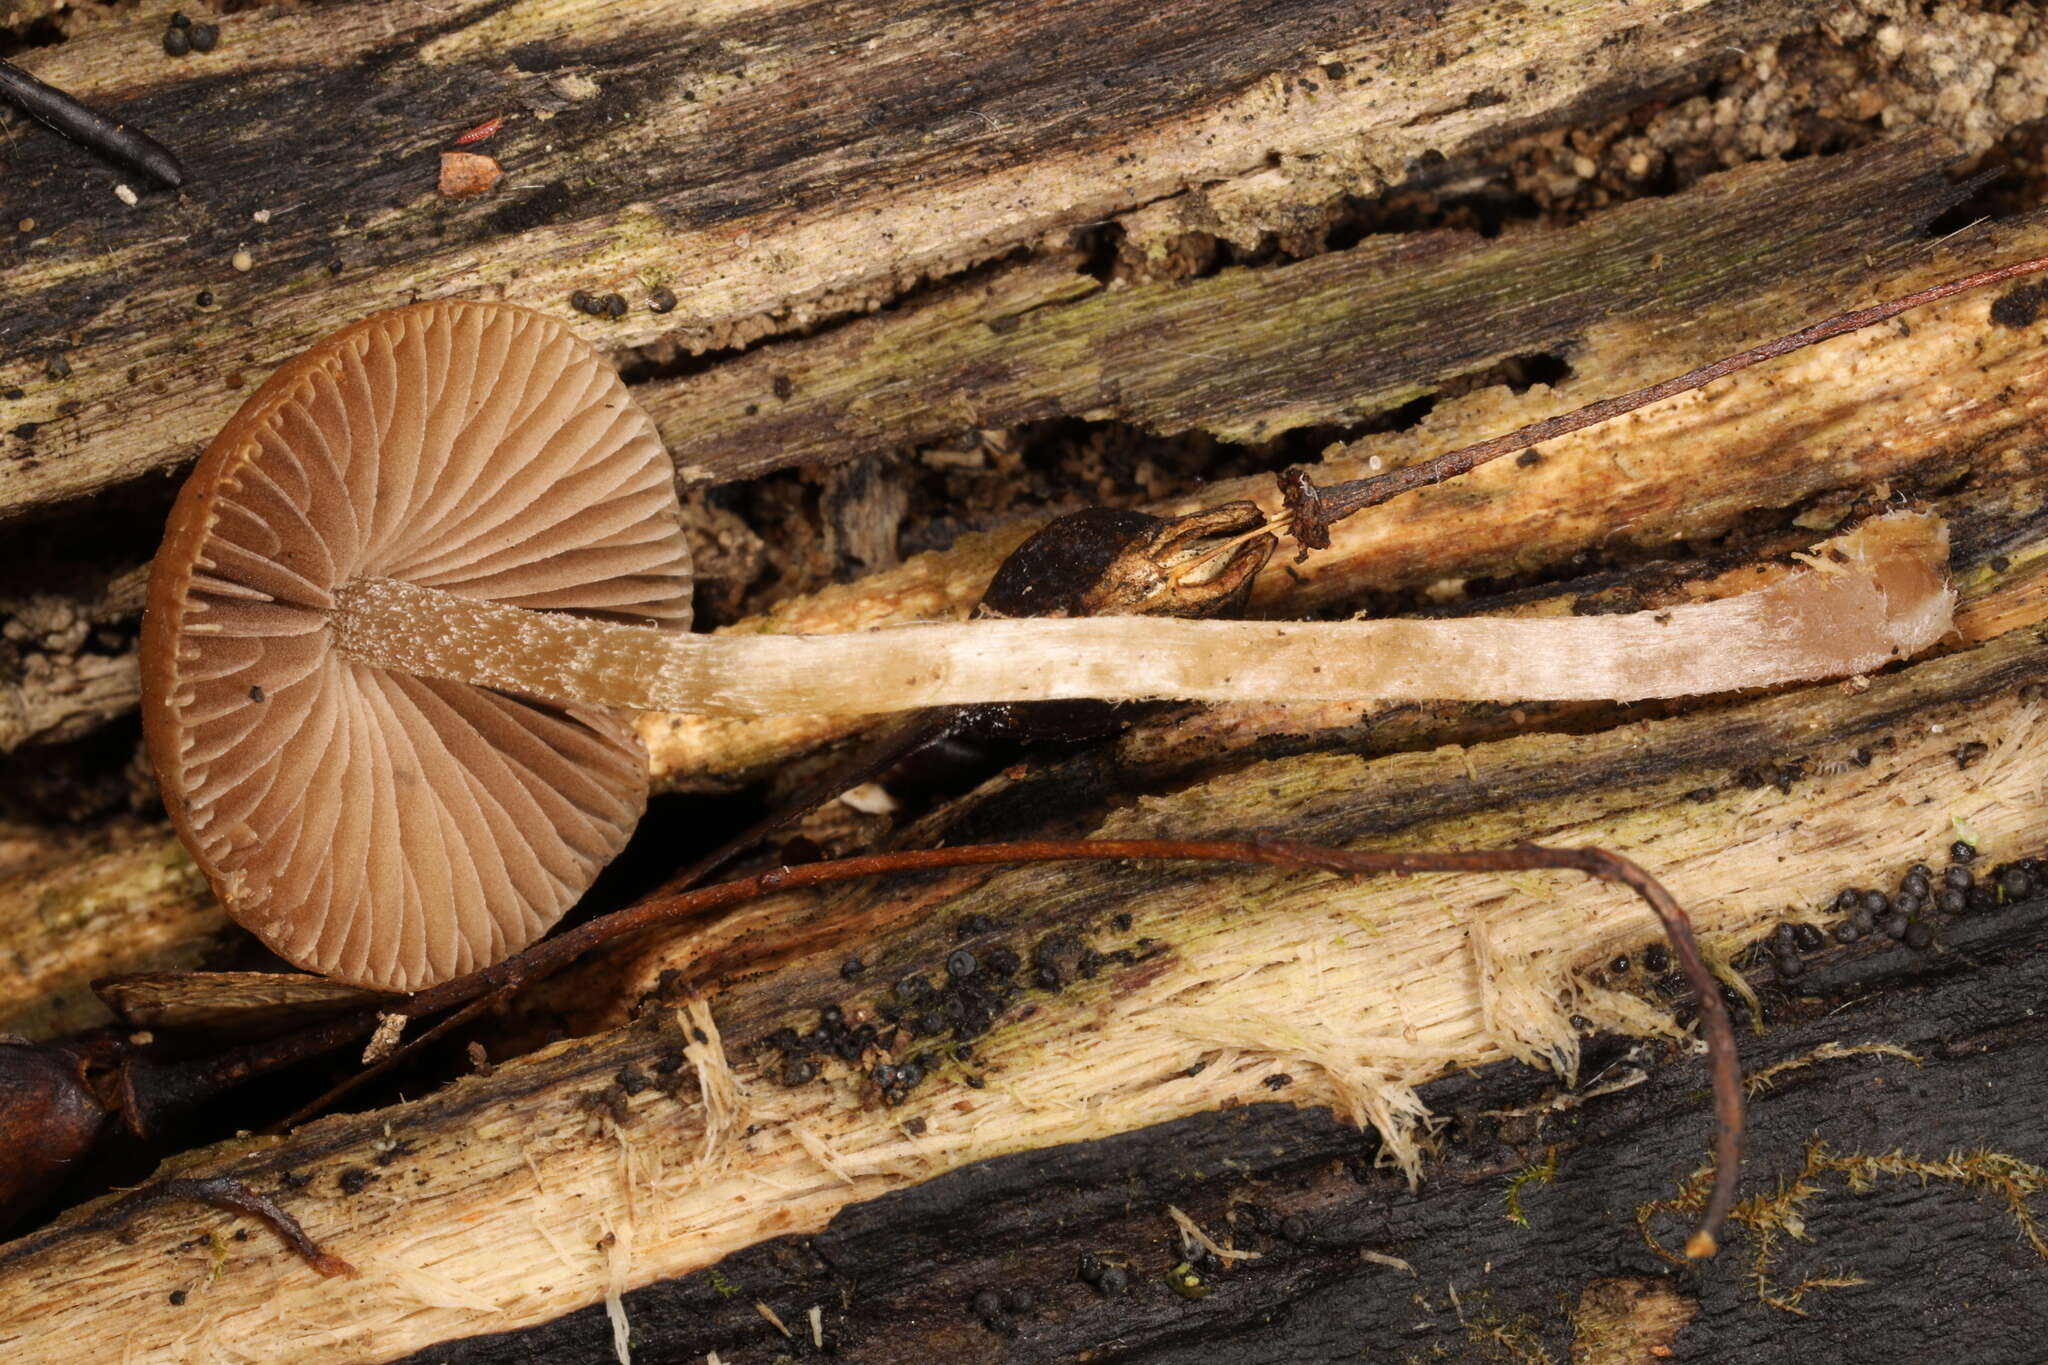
(1542, 1173)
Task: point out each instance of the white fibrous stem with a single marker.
(1873, 595)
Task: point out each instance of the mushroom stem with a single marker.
(1863, 599)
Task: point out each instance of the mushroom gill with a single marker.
(390, 830)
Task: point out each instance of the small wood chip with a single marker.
(465, 175)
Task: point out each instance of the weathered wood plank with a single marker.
(767, 159)
(1253, 353)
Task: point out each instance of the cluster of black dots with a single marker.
(926, 1022)
(184, 36)
(1905, 914)
(660, 299)
(999, 1309)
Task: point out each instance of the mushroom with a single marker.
(411, 593)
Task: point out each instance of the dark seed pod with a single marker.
(1783, 938)
(1959, 877)
(1962, 851)
(831, 1017)
(661, 299)
(960, 964)
(1847, 932)
(581, 301)
(2015, 883)
(204, 36)
(1863, 921)
(1090, 1268)
(1619, 965)
(1918, 935)
(1907, 904)
(799, 1073)
(988, 1304)
(1809, 938)
(1656, 959)
(1004, 962)
(1847, 899)
(176, 41)
(1115, 1279)
(1876, 902)
(1018, 1301)
(1895, 927)
(1791, 968)
(1294, 1228)
(1915, 883)
(1951, 901)
(614, 305)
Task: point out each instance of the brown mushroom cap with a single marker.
(388, 830)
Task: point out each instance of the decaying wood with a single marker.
(1358, 993)
(765, 158)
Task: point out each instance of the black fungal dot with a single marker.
(988, 1304)
(1847, 932)
(1123, 922)
(1896, 927)
(2019, 306)
(1959, 878)
(632, 1079)
(2015, 883)
(1018, 1300)
(26, 431)
(831, 1017)
(204, 298)
(1791, 968)
(1619, 965)
(1004, 962)
(334, 266)
(851, 968)
(783, 387)
(1279, 1080)
(177, 1296)
(204, 36)
(970, 925)
(661, 299)
(961, 964)
(1967, 754)
(176, 41)
(1918, 935)
(354, 1180)
(582, 302)
(1915, 884)
(1809, 937)
(1950, 901)
(1863, 920)
(1294, 1228)
(1090, 1268)
(57, 367)
(1656, 959)
(915, 989)
(1962, 851)
(1115, 1279)
(1784, 939)
(799, 1072)
(178, 19)
(1981, 898)
(1847, 899)
(1876, 902)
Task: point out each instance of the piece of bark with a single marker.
(771, 164)
(1252, 353)
(512, 1202)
